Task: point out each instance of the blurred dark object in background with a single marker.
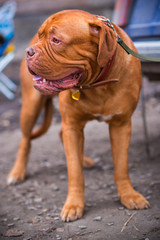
(30, 7)
(141, 20)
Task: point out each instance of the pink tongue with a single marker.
(37, 78)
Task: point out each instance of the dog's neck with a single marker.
(102, 77)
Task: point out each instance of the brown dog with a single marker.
(75, 50)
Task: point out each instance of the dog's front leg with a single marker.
(73, 144)
(120, 139)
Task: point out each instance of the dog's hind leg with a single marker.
(30, 111)
(88, 162)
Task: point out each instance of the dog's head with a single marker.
(70, 49)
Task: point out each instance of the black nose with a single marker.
(30, 51)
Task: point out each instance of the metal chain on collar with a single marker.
(107, 21)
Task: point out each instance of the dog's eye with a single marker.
(55, 40)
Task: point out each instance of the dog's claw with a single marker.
(11, 181)
(147, 206)
(136, 207)
(16, 177)
(68, 219)
(63, 218)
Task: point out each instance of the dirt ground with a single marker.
(30, 211)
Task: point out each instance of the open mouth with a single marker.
(49, 87)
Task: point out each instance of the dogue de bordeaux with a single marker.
(76, 55)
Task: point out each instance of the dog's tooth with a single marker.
(77, 75)
(40, 81)
(44, 80)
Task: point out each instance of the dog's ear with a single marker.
(107, 41)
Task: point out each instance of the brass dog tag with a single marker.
(76, 95)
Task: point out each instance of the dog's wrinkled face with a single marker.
(71, 47)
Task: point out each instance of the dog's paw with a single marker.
(88, 162)
(71, 213)
(73, 208)
(134, 200)
(15, 177)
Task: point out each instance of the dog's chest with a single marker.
(101, 114)
(105, 118)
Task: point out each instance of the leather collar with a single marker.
(102, 76)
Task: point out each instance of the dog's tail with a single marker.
(47, 119)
